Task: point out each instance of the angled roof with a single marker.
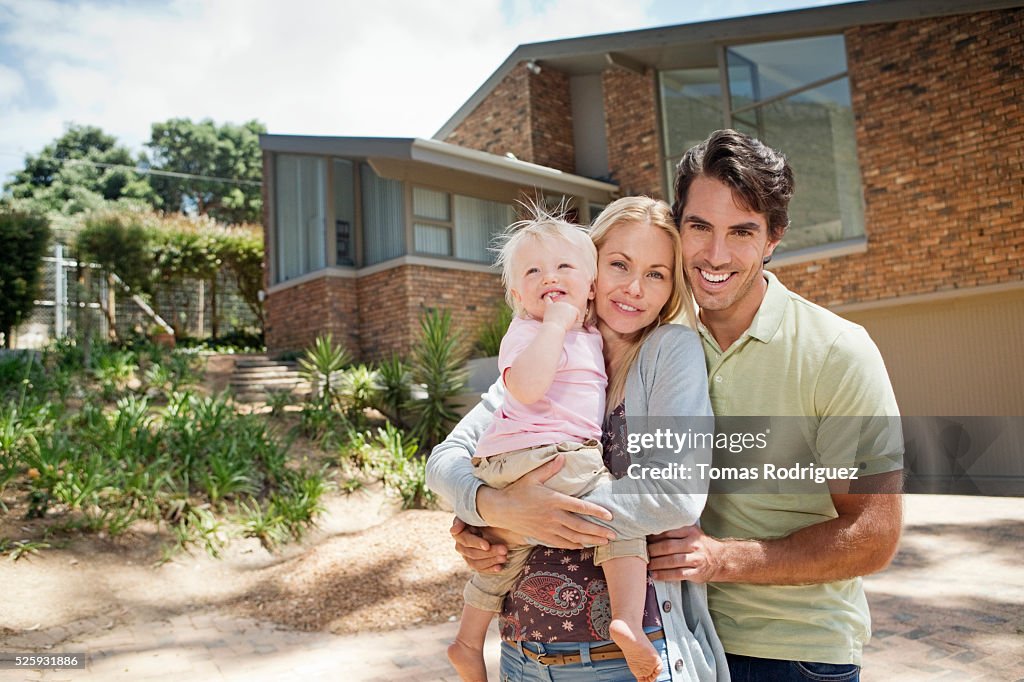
(443, 155)
(695, 44)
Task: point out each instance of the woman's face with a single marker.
(634, 276)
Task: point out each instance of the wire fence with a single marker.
(77, 298)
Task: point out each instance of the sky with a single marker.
(387, 68)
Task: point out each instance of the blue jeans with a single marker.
(750, 669)
(516, 667)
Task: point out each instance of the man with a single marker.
(783, 570)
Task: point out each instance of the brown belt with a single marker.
(607, 652)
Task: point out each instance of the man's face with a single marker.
(724, 247)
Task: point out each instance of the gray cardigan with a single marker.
(665, 389)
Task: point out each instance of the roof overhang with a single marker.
(696, 45)
(443, 155)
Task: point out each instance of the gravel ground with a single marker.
(402, 572)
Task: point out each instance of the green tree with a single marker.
(77, 172)
(230, 153)
(119, 241)
(23, 240)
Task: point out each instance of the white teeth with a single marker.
(627, 308)
(715, 278)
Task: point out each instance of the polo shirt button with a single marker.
(666, 606)
(679, 665)
(718, 378)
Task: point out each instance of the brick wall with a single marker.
(940, 138)
(297, 315)
(631, 123)
(379, 314)
(529, 115)
(551, 120)
(501, 122)
(391, 303)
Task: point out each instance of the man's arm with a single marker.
(862, 539)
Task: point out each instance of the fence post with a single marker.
(60, 293)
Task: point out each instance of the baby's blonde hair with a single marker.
(541, 225)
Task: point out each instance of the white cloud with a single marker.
(11, 84)
(381, 68)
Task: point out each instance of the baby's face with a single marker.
(548, 269)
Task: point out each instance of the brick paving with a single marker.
(951, 607)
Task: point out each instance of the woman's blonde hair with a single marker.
(680, 305)
(542, 225)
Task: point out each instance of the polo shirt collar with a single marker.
(769, 316)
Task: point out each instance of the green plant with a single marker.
(21, 549)
(266, 525)
(114, 369)
(199, 526)
(357, 390)
(403, 471)
(438, 366)
(23, 240)
(321, 365)
(351, 484)
(17, 443)
(278, 400)
(394, 388)
(488, 340)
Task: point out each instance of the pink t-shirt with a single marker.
(571, 410)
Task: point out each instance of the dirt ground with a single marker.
(366, 566)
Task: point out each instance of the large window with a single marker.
(301, 240)
(793, 95)
(477, 222)
(327, 208)
(383, 217)
(691, 108)
(344, 212)
(459, 226)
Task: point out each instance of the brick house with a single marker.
(902, 118)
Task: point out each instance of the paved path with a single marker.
(950, 607)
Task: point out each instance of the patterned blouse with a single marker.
(561, 596)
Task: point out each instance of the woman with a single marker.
(555, 620)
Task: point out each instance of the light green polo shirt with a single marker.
(798, 360)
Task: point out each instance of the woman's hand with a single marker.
(529, 508)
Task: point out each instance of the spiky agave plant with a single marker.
(438, 366)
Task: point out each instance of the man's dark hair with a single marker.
(760, 177)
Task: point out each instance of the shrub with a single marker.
(321, 365)
(394, 388)
(488, 340)
(438, 366)
(23, 240)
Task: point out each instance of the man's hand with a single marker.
(478, 553)
(530, 509)
(685, 554)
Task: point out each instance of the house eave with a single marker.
(443, 155)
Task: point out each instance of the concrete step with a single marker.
(248, 363)
(265, 372)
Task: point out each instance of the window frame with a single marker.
(754, 109)
(416, 219)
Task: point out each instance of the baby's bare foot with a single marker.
(468, 662)
(641, 657)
